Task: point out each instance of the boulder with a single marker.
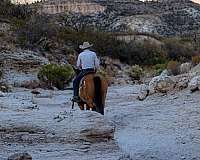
(20, 66)
(195, 71)
(185, 67)
(20, 156)
(152, 84)
(165, 84)
(86, 125)
(165, 73)
(194, 84)
(162, 83)
(2, 94)
(182, 82)
(144, 92)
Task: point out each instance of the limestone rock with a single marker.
(162, 83)
(165, 73)
(152, 84)
(165, 84)
(88, 125)
(144, 92)
(182, 82)
(195, 71)
(185, 67)
(2, 94)
(20, 66)
(20, 156)
(194, 84)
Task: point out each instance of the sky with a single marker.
(29, 1)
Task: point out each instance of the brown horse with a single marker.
(93, 90)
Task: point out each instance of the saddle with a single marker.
(87, 76)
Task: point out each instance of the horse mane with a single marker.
(98, 95)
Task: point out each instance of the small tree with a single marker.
(56, 75)
(136, 72)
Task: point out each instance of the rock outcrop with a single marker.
(185, 68)
(162, 83)
(20, 156)
(144, 92)
(20, 66)
(194, 84)
(163, 18)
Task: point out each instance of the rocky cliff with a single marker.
(167, 18)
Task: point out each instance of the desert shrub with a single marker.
(10, 10)
(178, 49)
(174, 67)
(146, 53)
(56, 75)
(159, 68)
(37, 28)
(136, 72)
(195, 60)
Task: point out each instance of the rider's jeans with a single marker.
(78, 79)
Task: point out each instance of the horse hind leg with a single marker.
(90, 106)
(81, 106)
(87, 107)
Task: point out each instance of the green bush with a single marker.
(136, 72)
(159, 68)
(174, 67)
(56, 75)
(178, 49)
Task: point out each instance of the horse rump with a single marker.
(98, 95)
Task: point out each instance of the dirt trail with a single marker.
(162, 127)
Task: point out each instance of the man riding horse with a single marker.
(87, 63)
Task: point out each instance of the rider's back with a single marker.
(87, 59)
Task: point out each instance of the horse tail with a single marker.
(98, 95)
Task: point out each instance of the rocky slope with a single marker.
(168, 18)
(20, 66)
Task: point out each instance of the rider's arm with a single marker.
(96, 62)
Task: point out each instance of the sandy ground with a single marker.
(162, 127)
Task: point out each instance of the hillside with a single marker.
(167, 18)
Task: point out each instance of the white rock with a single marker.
(162, 83)
(144, 91)
(195, 71)
(2, 94)
(183, 82)
(20, 156)
(165, 73)
(194, 84)
(152, 84)
(165, 84)
(185, 67)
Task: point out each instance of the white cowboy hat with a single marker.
(85, 45)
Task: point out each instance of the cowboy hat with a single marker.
(85, 45)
